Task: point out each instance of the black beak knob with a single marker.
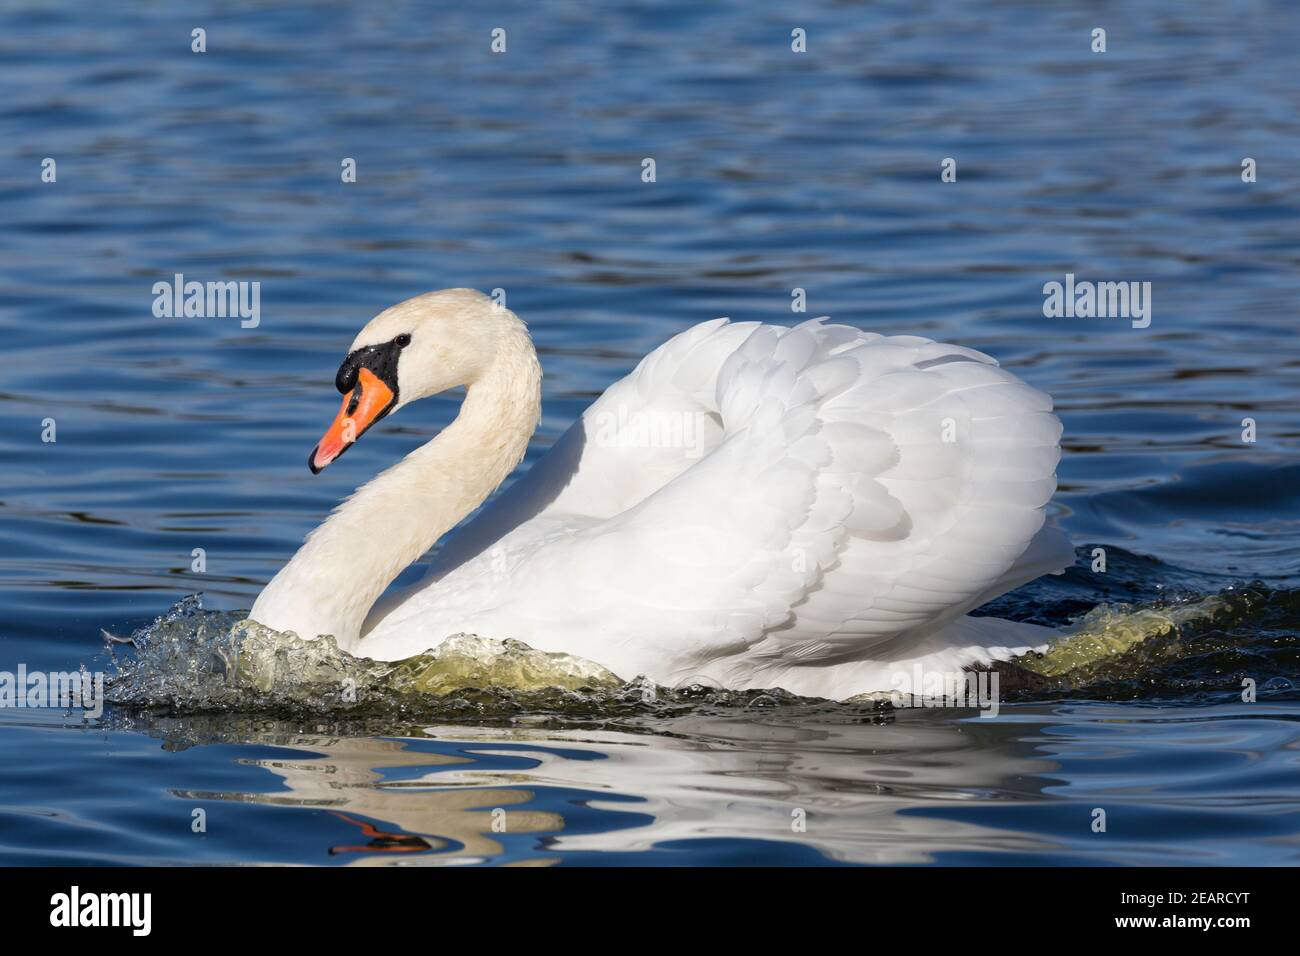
(346, 379)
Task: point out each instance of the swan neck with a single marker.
(390, 522)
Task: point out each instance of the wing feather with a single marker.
(847, 496)
(865, 490)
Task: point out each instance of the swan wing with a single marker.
(832, 495)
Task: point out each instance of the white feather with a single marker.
(842, 501)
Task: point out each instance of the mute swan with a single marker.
(814, 508)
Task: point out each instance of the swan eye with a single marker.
(403, 340)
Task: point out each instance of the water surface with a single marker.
(523, 172)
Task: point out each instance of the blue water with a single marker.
(522, 171)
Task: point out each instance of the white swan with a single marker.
(814, 508)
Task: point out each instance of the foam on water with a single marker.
(1109, 631)
(191, 660)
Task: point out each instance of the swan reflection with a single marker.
(823, 784)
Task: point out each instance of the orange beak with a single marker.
(370, 401)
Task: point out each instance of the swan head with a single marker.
(412, 350)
